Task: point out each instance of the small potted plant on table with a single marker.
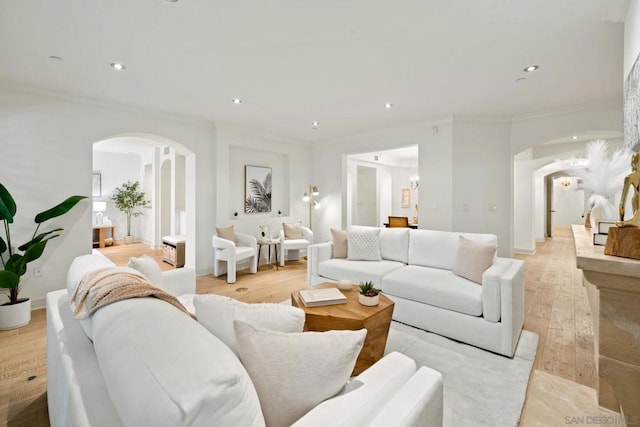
(368, 294)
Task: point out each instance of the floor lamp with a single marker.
(309, 197)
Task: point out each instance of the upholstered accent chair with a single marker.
(226, 255)
(294, 237)
(398, 221)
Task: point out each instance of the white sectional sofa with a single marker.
(416, 273)
(151, 364)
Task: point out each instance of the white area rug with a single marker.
(480, 388)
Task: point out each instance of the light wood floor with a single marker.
(556, 309)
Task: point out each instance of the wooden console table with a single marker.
(99, 234)
(613, 289)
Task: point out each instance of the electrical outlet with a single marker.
(37, 271)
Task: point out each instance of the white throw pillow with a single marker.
(217, 313)
(363, 243)
(147, 266)
(473, 259)
(293, 373)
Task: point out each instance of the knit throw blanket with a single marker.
(108, 285)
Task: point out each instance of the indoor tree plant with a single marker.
(17, 312)
(368, 294)
(127, 199)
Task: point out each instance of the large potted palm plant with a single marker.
(17, 312)
(128, 197)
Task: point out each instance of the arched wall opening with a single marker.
(166, 172)
(539, 174)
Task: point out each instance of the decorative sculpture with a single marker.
(632, 180)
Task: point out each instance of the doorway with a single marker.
(366, 197)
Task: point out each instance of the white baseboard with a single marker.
(524, 251)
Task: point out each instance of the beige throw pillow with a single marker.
(339, 243)
(292, 231)
(293, 373)
(473, 259)
(227, 233)
(217, 313)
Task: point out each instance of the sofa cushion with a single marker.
(295, 372)
(292, 230)
(394, 244)
(431, 248)
(436, 287)
(147, 266)
(357, 271)
(473, 259)
(227, 233)
(217, 313)
(162, 368)
(363, 243)
(339, 243)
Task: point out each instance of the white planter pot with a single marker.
(128, 240)
(15, 315)
(369, 301)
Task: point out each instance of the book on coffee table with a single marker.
(318, 297)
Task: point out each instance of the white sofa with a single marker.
(416, 273)
(151, 364)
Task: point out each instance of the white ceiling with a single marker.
(335, 61)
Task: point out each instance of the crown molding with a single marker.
(567, 110)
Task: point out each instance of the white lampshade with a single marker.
(99, 206)
(305, 198)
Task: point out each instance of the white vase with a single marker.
(369, 301)
(345, 285)
(13, 316)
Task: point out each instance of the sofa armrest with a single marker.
(246, 240)
(315, 255)
(364, 395)
(220, 243)
(491, 289)
(307, 234)
(418, 403)
(503, 299)
(179, 281)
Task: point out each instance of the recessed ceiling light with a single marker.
(236, 101)
(314, 125)
(574, 137)
(55, 58)
(388, 105)
(118, 66)
(171, 1)
(521, 79)
(531, 68)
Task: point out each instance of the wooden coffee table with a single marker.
(352, 316)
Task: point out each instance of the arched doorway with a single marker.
(166, 172)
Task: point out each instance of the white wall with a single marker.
(330, 169)
(523, 203)
(482, 178)
(401, 177)
(47, 155)
(291, 173)
(116, 169)
(631, 36)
